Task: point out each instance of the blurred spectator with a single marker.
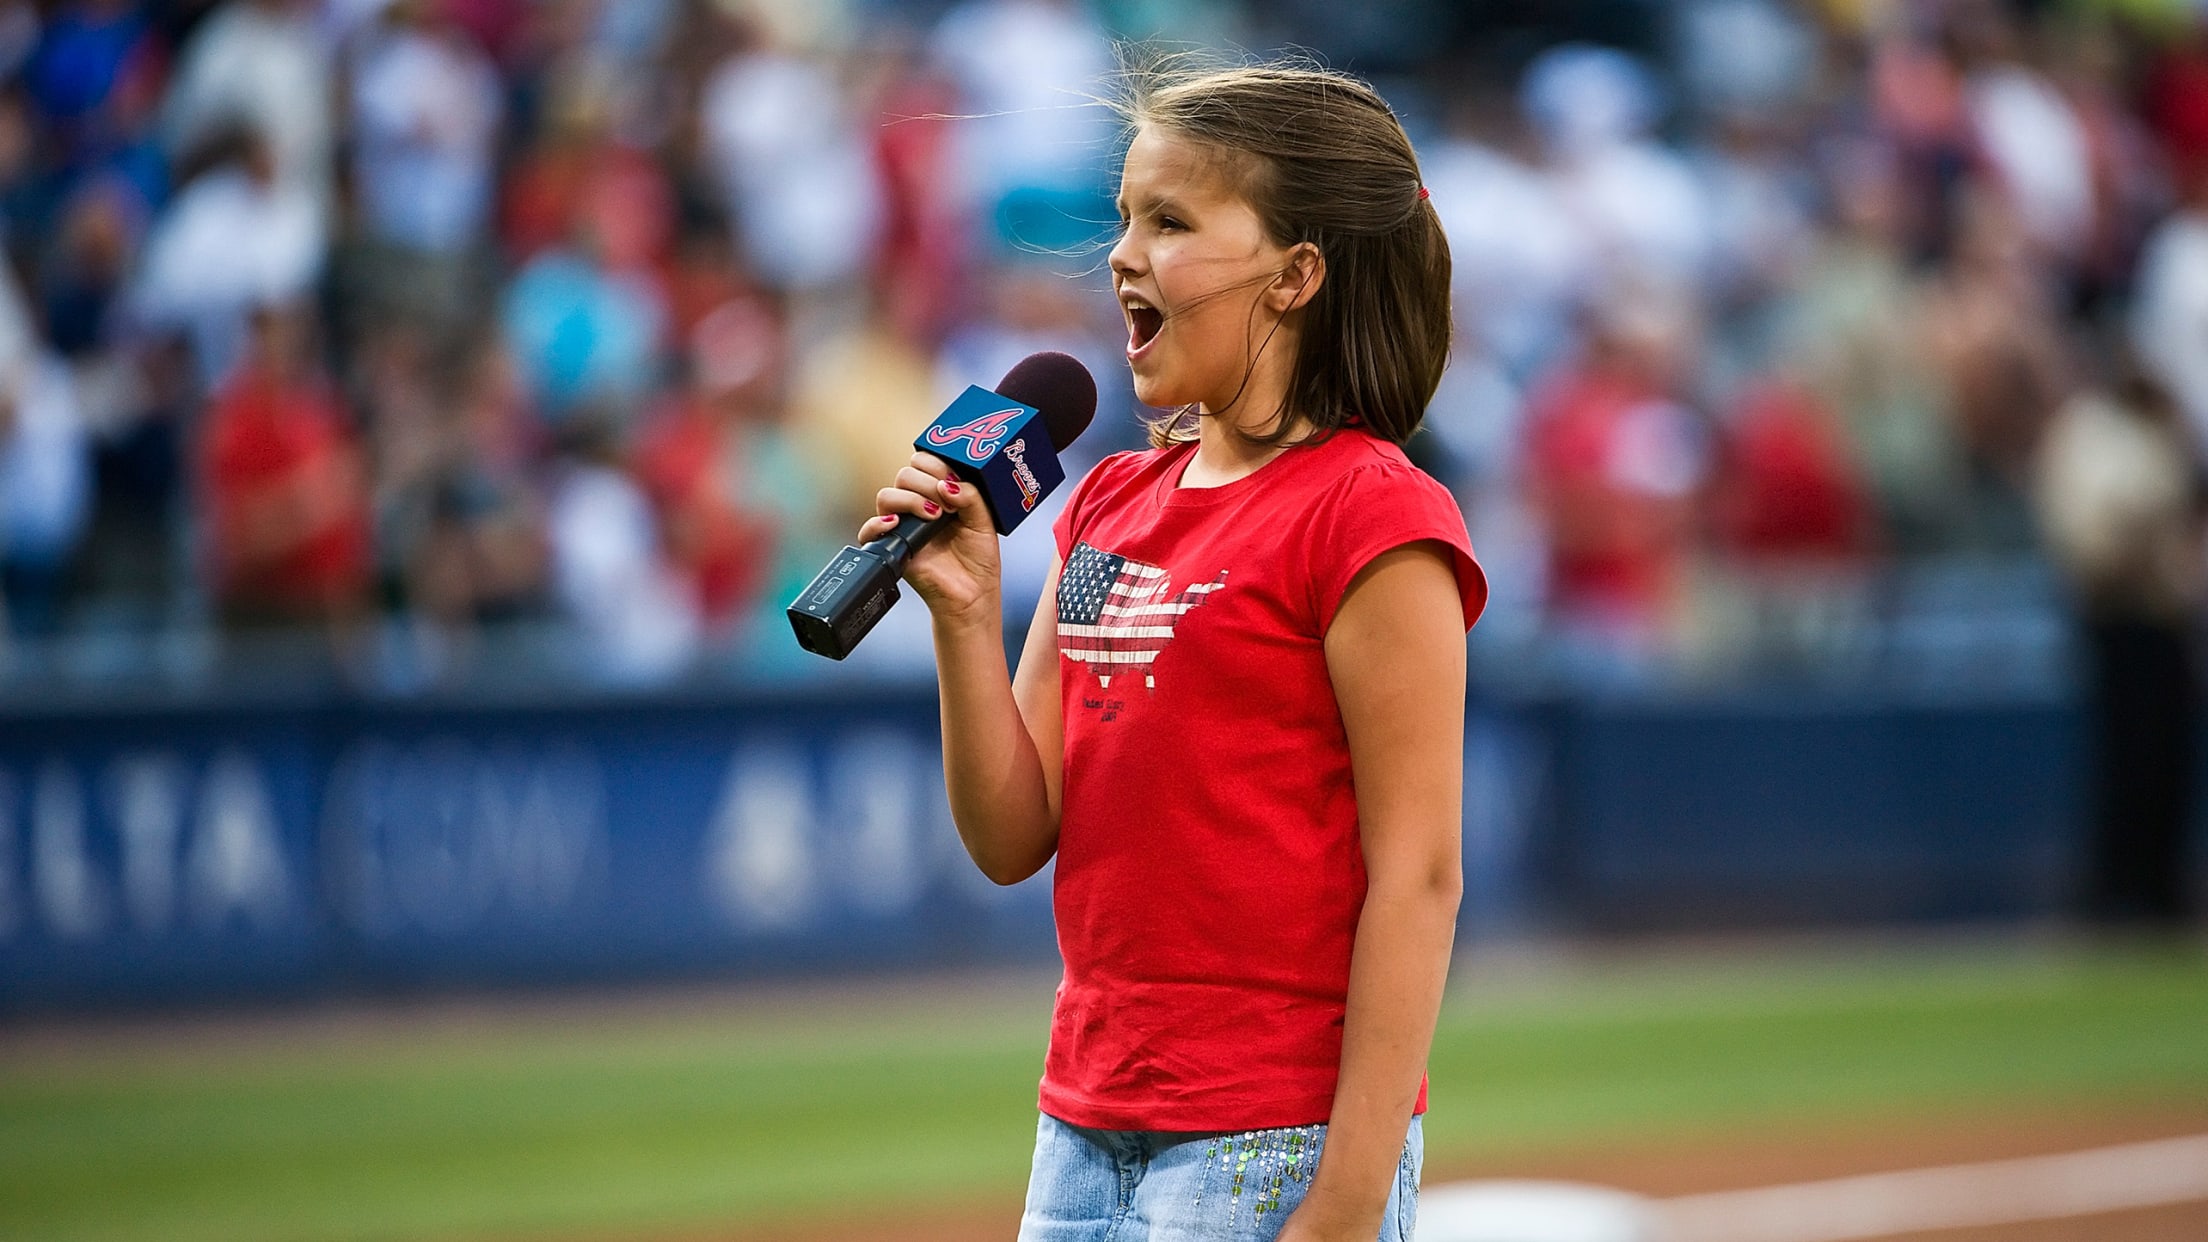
(19, 34)
(2175, 100)
(856, 402)
(711, 467)
(1617, 465)
(1794, 522)
(97, 238)
(22, 196)
(1918, 105)
(2170, 320)
(610, 569)
(497, 26)
(426, 107)
(2129, 188)
(798, 176)
(45, 474)
(704, 278)
(924, 246)
(1854, 331)
(580, 177)
(1596, 110)
(583, 331)
(2122, 501)
(1740, 58)
(1761, 195)
(261, 64)
(459, 524)
(2032, 139)
(1788, 492)
(488, 559)
(137, 402)
(394, 390)
(1990, 324)
(95, 77)
(1520, 261)
(1035, 146)
(236, 238)
(282, 471)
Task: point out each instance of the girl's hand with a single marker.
(957, 574)
(1327, 1217)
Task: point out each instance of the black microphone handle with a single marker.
(908, 536)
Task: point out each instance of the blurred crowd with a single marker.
(418, 324)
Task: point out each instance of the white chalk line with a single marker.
(1998, 1192)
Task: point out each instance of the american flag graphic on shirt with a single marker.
(1115, 615)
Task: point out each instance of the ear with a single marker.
(1298, 282)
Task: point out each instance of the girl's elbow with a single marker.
(1435, 881)
(1005, 874)
(1448, 887)
(1005, 868)
(1441, 881)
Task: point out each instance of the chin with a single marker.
(1156, 393)
(1165, 391)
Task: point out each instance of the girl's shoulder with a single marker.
(1131, 463)
(1129, 468)
(1355, 460)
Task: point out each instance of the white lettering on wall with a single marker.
(759, 867)
(71, 900)
(146, 793)
(446, 836)
(149, 852)
(545, 817)
(236, 865)
(874, 795)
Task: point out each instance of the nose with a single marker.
(1124, 258)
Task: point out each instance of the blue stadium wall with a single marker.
(166, 856)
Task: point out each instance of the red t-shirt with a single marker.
(1209, 870)
(268, 445)
(726, 551)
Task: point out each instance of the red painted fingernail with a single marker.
(932, 507)
(950, 488)
(890, 518)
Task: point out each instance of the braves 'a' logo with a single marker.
(982, 436)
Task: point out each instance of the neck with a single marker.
(1224, 448)
(1224, 451)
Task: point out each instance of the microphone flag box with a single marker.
(1000, 446)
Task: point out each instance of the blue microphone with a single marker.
(1000, 444)
(1005, 443)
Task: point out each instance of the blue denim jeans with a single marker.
(1158, 1186)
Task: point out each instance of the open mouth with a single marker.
(1143, 323)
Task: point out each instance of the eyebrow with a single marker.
(1155, 204)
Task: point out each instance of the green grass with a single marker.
(520, 1128)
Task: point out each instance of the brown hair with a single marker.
(1322, 159)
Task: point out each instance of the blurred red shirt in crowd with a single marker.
(1789, 490)
(1616, 467)
(2175, 104)
(580, 178)
(280, 467)
(694, 457)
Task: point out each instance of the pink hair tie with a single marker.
(1422, 194)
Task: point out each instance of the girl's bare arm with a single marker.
(1002, 738)
(1395, 655)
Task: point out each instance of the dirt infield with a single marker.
(1741, 1160)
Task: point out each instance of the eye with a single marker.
(1170, 223)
